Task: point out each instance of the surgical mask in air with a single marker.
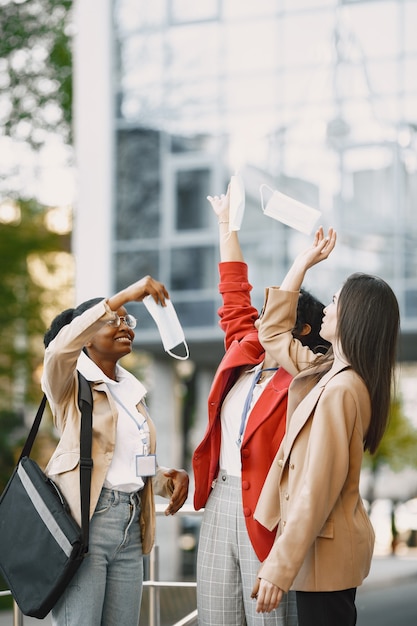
(236, 202)
(170, 329)
(289, 211)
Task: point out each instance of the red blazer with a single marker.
(266, 424)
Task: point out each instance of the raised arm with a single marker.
(228, 241)
(279, 315)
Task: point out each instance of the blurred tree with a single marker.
(35, 69)
(399, 444)
(35, 103)
(23, 296)
(7, 426)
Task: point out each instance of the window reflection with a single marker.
(316, 92)
(192, 208)
(193, 268)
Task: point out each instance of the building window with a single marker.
(191, 190)
(193, 268)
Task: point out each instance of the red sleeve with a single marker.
(237, 315)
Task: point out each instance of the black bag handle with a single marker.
(85, 403)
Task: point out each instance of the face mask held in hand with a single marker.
(170, 329)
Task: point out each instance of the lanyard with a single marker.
(249, 400)
(142, 432)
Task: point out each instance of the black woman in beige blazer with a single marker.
(92, 338)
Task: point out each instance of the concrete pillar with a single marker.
(93, 136)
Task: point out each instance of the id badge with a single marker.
(145, 465)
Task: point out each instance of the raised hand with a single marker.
(319, 251)
(136, 292)
(220, 205)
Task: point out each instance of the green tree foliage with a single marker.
(35, 101)
(399, 444)
(8, 422)
(22, 297)
(35, 69)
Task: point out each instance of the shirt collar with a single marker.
(93, 373)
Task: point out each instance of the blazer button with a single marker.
(247, 512)
(245, 453)
(291, 465)
(245, 484)
(287, 496)
(281, 462)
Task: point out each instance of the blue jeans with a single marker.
(107, 588)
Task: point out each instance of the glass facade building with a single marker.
(315, 98)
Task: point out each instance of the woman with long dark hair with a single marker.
(338, 405)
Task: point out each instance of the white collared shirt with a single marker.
(231, 417)
(132, 432)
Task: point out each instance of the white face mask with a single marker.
(170, 329)
(237, 202)
(289, 211)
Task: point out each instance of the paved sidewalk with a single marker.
(387, 569)
(384, 571)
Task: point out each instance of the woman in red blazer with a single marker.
(233, 459)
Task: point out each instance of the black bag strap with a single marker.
(85, 403)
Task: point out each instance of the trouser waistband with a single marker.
(121, 496)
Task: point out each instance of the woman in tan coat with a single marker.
(337, 407)
(107, 588)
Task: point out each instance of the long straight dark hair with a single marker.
(368, 328)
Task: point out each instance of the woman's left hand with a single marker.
(267, 595)
(180, 481)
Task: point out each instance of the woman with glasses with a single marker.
(107, 589)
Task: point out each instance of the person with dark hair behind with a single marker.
(247, 408)
(310, 315)
(338, 406)
(107, 588)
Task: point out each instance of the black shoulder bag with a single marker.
(41, 545)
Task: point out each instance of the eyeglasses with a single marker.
(128, 320)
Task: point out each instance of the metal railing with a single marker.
(153, 583)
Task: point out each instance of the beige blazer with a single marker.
(324, 539)
(60, 383)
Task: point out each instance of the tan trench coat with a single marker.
(60, 383)
(325, 539)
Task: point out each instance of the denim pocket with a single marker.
(103, 505)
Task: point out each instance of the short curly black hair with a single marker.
(66, 317)
(310, 311)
